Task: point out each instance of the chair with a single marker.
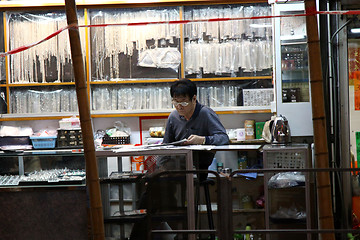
(205, 184)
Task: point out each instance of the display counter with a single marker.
(70, 197)
(223, 194)
(39, 201)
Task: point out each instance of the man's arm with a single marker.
(215, 133)
(169, 135)
(196, 139)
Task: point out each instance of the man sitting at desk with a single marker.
(197, 124)
(193, 121)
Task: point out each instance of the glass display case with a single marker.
(44, 193)
(294, 70)
(42, 168)
(294, 59)
(291, 68)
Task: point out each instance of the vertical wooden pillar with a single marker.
(92, 175)
(326, 220)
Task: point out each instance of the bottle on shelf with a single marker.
(247, 235)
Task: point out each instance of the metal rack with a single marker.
(290, 156)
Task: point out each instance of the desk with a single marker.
(179, 150)
(168, 152)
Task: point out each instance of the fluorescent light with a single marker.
(355, 30)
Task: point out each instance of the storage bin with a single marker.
(69, 138)
(69, 124)
(14, 140)
(43, 142)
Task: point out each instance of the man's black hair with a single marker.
(183, 88)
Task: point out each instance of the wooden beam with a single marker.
(92, 175)
(325, 212)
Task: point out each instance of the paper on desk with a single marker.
(176, 145)
(197, 147)
(152, 146)
(142, 148)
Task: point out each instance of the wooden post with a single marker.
(92, 175)
(325, 212)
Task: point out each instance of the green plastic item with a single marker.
(259, 126)
(247, 235)
(350, 236)
(238, 236)
(357, 137)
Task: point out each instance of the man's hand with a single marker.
(195, 140)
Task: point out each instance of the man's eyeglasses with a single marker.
(175, 103)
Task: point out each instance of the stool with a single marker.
(205, 183)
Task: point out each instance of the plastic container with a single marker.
(249, 129)
(157, 132)
(43, 142)
(14, 140)
(69, 138)
(67, 123)
(220, 167)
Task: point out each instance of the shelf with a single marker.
(33, 188)
(124, 219)
(41, 84)
(287, 221)
(262, 210)
(91, 3)
(132, 81)
(117, 200)
(136, 81)
(242, 211)
(251, 141)
(242, 109)
(295, 188)
(294, 41)
(295, 70)
(129, 179)
(35, 116)
(296, 81)
(42, 152)
(127, 113)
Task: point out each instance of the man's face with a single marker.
(184, 105)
